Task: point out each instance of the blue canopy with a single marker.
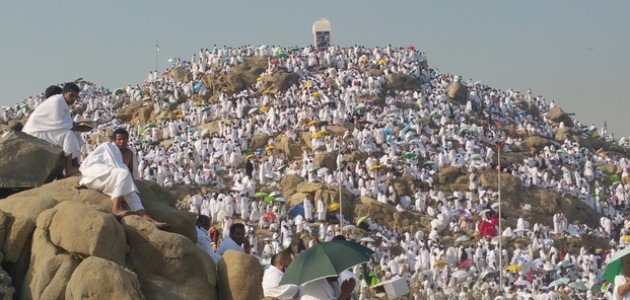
(296, 210)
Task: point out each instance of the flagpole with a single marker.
(339, 182)
(499, 146)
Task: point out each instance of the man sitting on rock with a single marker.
(108, 169)
(51, 121)
(273, 274)
(234, 240)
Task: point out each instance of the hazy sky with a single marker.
(573, 51)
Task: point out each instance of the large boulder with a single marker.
(279, 82)
(308, 187)
(289, 184)
(49, 230)
(535, 143)
(557, 115)
(325, 159)
(386, 214)
(169, 266)
(403, 185)
(237, 79)
(49, 270)
(457, 92)
(27, 162)
(137, 112)
(564, 133)
(259, 140)
(240, 276)
(209, 128)
(289, 146)
(180, 74)
(402, 82)
(96, 278)
(101, 235)
(448, 175)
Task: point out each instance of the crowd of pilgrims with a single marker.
(414, 132)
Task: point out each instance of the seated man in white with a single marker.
(108, 169)
(234, 240)
(51, 121)
(279, 263)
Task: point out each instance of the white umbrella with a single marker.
(322, 171)
(483, 212)
(367, 240)
(459, 274)
(495, 240)
(564, 264)
(522, 282)
(462, 238)
(560, 281)
(578, 285)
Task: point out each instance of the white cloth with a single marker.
(205, 243)
(227, 244)
(52, 114)
(344, 276)
(103, 170)
(320, 289)
(619, 281)
(51, 121)
(270, 282)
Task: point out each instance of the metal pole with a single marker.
(340, 202)
(500, 238)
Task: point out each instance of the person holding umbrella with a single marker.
(318, 268)
(621, 290)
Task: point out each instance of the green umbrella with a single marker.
(361, 220)
(614, 177)
(281, 55)
(261, 195)
(409, 155)
(269, 199)
(324, 260)
(613, 267)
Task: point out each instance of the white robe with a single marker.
(51, 121)
(103, 170)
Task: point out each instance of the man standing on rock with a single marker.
(108, 169)
(51, 121)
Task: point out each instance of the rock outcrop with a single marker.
(240, 276)
(27, 162)
(55, 236)
(457, 92)
(402, 82)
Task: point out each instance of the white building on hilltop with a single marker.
(321, 33)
